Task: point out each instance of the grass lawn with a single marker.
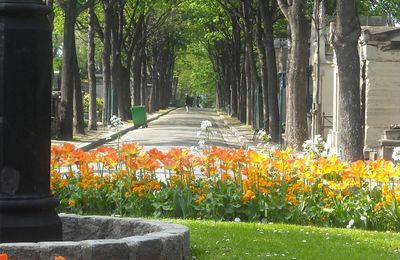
(230, 240)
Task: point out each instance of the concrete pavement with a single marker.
(173, 127)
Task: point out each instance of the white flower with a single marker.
(351, 223)
(301, 155)
(307, 144)
(264, 136)
(201, 142)
(363, 218)
(333, 151)
(205, 124)
(199, 133)
(114, 120)
(237, 219)
(396, 154)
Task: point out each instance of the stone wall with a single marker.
(108, 238)
(382, 92)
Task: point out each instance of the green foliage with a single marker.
(58, 22)
(380, 7)
(99, 103)
(196, 73)
(57, 63)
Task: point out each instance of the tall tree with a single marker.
(260, 36)
(242, 23)
(346, 35)
(296, 130)
(252, 78)
(104, 33)
(79, 123)
(270, 15)
(66, 108)
(71, 10)
(92, 68)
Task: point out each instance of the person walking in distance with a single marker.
(187, 102)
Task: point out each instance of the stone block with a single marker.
(69, 224)
(93, 227)
(172, 244)
(144, 227)
(392, 134)
(69, 250)
(186, 245)
(120, 228)
(21, 251)
(150, 248)
(109, 249)
(133, 247)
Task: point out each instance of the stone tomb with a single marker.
(390, 140)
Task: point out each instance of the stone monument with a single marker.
(390, 140)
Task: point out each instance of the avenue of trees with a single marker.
(225, 49)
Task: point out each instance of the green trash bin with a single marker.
(139, 116)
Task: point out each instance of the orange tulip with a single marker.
(59, 258)
(3, 256)
(283, 154)
(249, 195)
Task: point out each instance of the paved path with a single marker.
(173, 128)
(179, 129)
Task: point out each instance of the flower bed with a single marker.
(227, 184)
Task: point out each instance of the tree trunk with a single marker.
(107, 64)
(143, 87)
(264, 74)
(248, 40)
(236, 53)
(296, 97)
(116, 80)
(347, 33)
(272, 76)
(92, 70)
(155, 59)
(125, 79)
(66, 108)
(79, 122)
(136, 78)
(243, 90)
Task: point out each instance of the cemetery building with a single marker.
(379, 50)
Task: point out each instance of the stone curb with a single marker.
(242, 139)
(114, 136)
(110, 238)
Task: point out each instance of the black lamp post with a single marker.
(26, 205)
